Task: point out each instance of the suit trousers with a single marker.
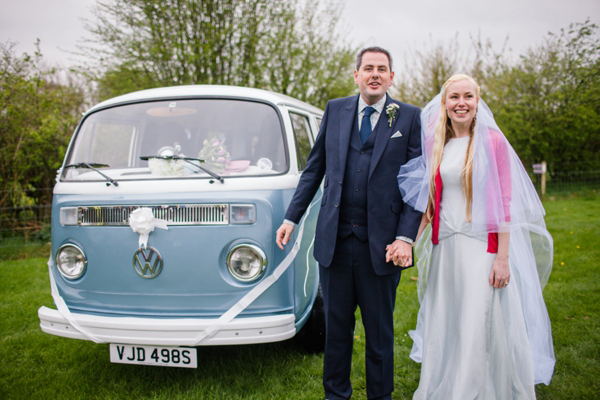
(351, 281)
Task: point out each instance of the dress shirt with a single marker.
(375, 116)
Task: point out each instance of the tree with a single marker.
(273, 44)
(548, 104)
(424, 71)
(37, 118)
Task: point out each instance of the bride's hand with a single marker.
(400, 253)
(500, 276)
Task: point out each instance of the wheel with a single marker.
(312, 335)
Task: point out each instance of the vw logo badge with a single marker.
(147, 262)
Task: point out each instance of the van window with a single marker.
(98, 145)
(302, 133)
(231, 137)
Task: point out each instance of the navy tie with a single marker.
(365, 127)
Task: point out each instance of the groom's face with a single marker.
(374, 77)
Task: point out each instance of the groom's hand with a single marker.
(283, 235)
(400, 253)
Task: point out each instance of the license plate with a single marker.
(184, 357)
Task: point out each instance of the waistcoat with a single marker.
(353, 207)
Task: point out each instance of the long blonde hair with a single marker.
(443, 133)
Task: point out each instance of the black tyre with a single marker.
(312, 335)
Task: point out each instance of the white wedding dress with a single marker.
(470, 337)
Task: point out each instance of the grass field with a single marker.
(34, 365)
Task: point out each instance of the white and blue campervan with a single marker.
(163, 225)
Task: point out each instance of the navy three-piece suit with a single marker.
(361, 213)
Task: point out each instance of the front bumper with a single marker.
(168, 332)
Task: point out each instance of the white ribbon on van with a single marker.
(63, 309)
(219, 323)
(258, 289)
(142, 221)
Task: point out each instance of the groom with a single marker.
(364, 232)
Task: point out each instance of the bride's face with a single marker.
(461, 103)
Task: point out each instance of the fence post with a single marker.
(540, 169)
(543, 178)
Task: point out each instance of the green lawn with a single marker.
(36, 365)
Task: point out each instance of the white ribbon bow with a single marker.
(142, 221)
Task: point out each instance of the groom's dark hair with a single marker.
(373, 49)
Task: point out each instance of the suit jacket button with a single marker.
(340, 183)
(337, 204)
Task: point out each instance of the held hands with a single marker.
(282, 237)
(400, 253)
(500, 275)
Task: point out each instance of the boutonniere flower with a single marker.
(391, 112)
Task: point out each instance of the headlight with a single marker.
(246, 262)
(71, 261)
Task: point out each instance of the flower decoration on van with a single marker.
(215, 155)
(391, 112)
(166, 167)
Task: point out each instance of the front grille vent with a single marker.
(181, 214)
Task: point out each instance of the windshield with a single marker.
(232, 137)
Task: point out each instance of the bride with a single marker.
(484, 253)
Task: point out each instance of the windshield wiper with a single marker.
(93, 167)
(189, 160)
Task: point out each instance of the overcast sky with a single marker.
(397, 25)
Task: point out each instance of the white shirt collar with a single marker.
(377, 106)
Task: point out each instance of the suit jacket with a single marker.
(388, 216)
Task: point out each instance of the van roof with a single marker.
(196, 91)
